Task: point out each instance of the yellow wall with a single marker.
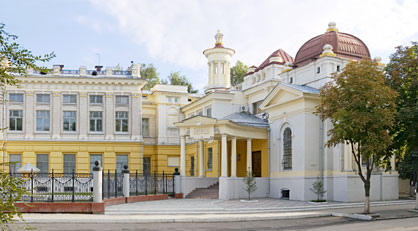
(55, 150)
(159, 155)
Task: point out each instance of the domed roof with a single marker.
(281, 58)
(344, 45)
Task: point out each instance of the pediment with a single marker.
(279, 95)
(197, 121)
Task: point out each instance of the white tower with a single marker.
(219, 59)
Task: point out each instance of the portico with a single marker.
(238, 143)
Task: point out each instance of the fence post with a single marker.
(146, 184)
(155, 183)
(163, 184)
(176, 182)
(97, 182)
(108, 183)
(52, 185)
(136, 182)
(125, 184)
(31, 185)
(72, 198)
(103, 185)
(116, 183)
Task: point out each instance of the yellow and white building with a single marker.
(265, 124)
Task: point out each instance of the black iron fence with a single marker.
(139, 184)
(54, 187)
(50, 187)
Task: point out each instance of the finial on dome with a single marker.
(218, 37)
(332, 27)
(327, 51)
(379, 61)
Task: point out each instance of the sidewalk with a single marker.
(190, 210)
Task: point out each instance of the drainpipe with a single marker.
(268, 145)
(321, 151)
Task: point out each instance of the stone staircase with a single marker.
(211, 192)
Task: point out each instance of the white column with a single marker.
(125, 185)
(392, 163)
(97, 182)
(234, 157)
(249, 155)
(201, 160)
(348, 158)
(109, 116)
(182, 156)
(83, 115)
(55, 115)
(224, 172)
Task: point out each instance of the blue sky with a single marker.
(172, 34)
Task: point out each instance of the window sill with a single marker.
(122, 133)
(15, 132)
(43, 132)
(96, 133)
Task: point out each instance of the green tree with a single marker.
(149, 72)
(249, 183)
(238, 72)
(318, 189)
(361, 108)
(175, 78)
(402, 76)
(14, 60)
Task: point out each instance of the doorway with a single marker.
(256, 163)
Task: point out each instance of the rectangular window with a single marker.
(169, 99)
(176, 99)
(93, 158)
(42, 162)
(96, 99)
(16, 97)
(69, 121)
(122, 99)
(145, 127)
(69, 99)
(210, 152)
(96, 121)
(121, 160)
(43, 98)
(15, 162)
(16, 120)
(42, 120)
(146, 166)
(209, 112)
(121, 121)
(69, 163)
(264, 76)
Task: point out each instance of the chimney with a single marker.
(109, 71)
(136, 70)
(98, 68)
(56, 69)
(83, 71)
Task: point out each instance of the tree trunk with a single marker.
(367, 199)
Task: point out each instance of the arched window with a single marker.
(287, 149)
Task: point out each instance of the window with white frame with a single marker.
(16, 120)
(69, 99)
(42, 120)
(209, 111)
(15, 162)
(96, 99)
(16, 97)
(145, 127)
(287, 149)
(122, 100)
(42, 162)
(69, 163)
(69, 121)
(43, 98)
(96, 121)
(121, 121)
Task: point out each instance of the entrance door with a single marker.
(192, 166)
(147, 166)
(256, 163)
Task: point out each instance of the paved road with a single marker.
(310, 224)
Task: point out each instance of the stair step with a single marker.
(211, 192)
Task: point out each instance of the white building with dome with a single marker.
(267, 124)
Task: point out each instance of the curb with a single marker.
(134, 220)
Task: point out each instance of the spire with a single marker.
(218, 38)
(332, 27)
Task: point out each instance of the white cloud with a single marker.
(178, 31)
